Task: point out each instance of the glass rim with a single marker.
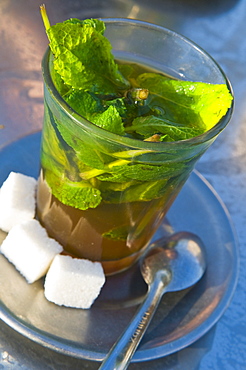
(127, 141)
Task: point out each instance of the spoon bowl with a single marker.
(181, 258)
(170, 264)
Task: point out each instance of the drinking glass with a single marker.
(118, 227)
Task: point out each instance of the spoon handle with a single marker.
(121, 353)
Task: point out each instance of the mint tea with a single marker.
(119, 138)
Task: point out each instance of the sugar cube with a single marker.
(29, 248)
(73, 282)
(17, 200)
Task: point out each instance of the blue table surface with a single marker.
(218, 26)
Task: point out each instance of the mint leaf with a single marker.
(109, 120)
(195, 104)
(140, 172)
(83, 56)
(84, 149)
(140, 192)
(145, 172)
(98, 25)
(146, 191)
(84, 103)
(114, 186)
(150, 125)
(53, 156)
(118, 103)
(103, 114)
(119, 233)
(79, 195)
(117, 176)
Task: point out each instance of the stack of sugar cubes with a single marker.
(69, 281)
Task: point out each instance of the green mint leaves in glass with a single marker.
(129, 109)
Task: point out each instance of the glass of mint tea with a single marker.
(123, 129)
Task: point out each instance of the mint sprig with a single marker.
(82, 55)
(115, 97)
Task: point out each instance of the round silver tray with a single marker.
(181, 318)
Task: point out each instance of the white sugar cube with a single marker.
(17, 200)
(29, 248)
(73, 282)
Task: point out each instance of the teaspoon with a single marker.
(170, 265)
